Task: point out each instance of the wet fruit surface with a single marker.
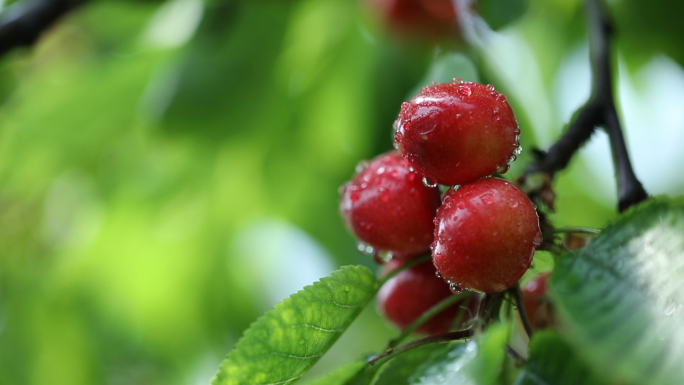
(388, 208)
(455, 133)
(410, 293)
(485, 235)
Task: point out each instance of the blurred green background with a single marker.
(169, 170)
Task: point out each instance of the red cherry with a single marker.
(406, 296)
(485, 235)
(455, 133)
(429, 18)
(534, 293)
(388, 207)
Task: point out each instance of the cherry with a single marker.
(534, 297)
(404, 297)
(455, 133)
(485, 235)
(429, 18)
(388, 207)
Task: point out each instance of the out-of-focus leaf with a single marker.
(647, 28)
(552, 361)
(477, 362)
(401, 368)
(621, 297)
(499, 14)
(282, 345)
(445, 68)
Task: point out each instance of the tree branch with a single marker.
(598, 111)
(24, 22)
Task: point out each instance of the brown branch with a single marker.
(24, 22)
(598, 111)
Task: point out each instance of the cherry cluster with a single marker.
(481, 233)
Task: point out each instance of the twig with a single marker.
(24, 22)
(598, 111)
(520, 304)
(453, 336)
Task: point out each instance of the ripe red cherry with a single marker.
(429, 18)
(534, 295)
(455, 133)
(485, 235)
(406, 296)
(388, 207)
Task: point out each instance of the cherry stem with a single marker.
(407, 265)
(391, 353)
(598, 111)
(23, 23)
(578, 229)
(426, 316)
(520, 304)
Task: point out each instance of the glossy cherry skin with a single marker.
(427, 18)
(406, 296)
(455, 133)
(387, 207)
(485, 235)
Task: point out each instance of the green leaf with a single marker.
(553, 361)
(621, 297)
(398, 370)
(479, 361)
(341, 375)
(282, 345)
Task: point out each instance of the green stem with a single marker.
(391, 353)
(426, 316)
(578, 229)
(520, 304)
(403, 267)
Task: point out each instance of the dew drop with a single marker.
(395, 144)
(538, 239)
(496, 111)
(438, 275)
(380, 170)
(512, 158)
(502, 169)
(518, 150)
(361, 166)
(455, 288)
(365, 248)
(490, 87)
(465, 90)
(429, 182)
